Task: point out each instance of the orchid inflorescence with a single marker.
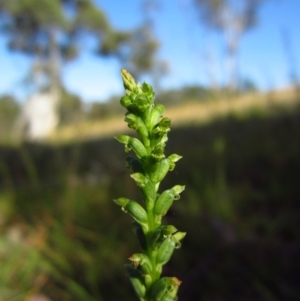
(148, 168)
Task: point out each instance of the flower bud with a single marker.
(159, 135)
(137, 124)
(161, 128)
(135, 210)
(165, 289)
(163, 203)
(168, 229)
(160, 234)
(158, 170)
(129, 82)
(158, 152)
(156, 114)
(142, 262)
(159, 289)
(179, 236)
(172, 159)
(165, 251)
(147, 90)
(173, 285)
(142, 103)
(140, 179)
(125, 101)
(177, 189)
(122, 201)
(165, 200)
(148, 188)
(133, 143)
(138, 148)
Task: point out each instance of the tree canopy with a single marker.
(52, 32)
(233, 18)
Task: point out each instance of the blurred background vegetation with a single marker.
(61, 236)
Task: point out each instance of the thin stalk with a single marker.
(148, 168)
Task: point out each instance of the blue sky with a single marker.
(262, 56)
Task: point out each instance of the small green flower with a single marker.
(148, 169)
(135, 210)
(165, 200)
(165, 289)
(134, 144)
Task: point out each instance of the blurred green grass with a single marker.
(62, 236)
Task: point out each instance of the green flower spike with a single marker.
(148, 168)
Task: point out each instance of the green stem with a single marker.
(149, 168)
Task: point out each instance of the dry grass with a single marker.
(88, 130)
(202, 112)
(192, 112)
